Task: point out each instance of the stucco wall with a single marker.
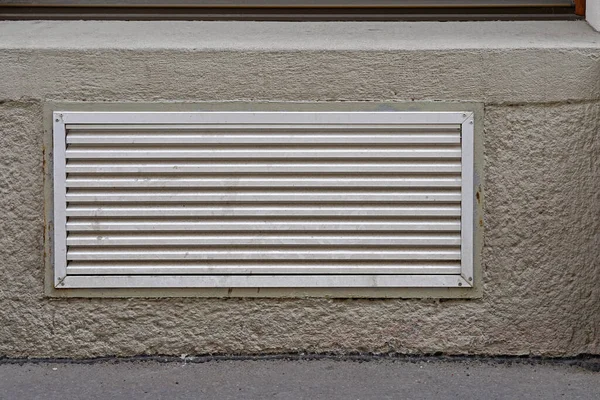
(539, 84)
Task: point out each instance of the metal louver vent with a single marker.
(263, 199)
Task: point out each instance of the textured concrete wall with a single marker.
(541, 257)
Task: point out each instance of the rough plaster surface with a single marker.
(541, 258)
(495, 76)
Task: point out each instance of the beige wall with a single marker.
(539, 84)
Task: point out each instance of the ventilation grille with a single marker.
(256, 193)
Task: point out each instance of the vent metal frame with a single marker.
(64, 281)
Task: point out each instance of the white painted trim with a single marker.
(592, 14)
(264, 281)
(60, 194)
(467, 201)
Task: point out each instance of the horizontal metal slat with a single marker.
(140, 268)
(75, 195)
(223, 210)
(232, 182)
(81, 152)
(96, 254)
(148, 239)
(259, 225)
(264, 139)
(275, 119)
(261, 128)
(74, 166)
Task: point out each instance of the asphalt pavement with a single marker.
(186, 378)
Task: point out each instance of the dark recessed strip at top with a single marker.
(288, 9)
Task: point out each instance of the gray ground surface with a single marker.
(298, 379)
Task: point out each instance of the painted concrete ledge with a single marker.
(280, 36)
(491, 62)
